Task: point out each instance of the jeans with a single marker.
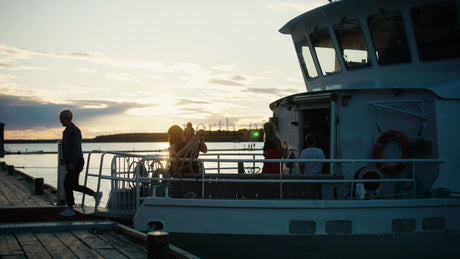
(71, 182)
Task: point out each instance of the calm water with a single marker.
(46, 165)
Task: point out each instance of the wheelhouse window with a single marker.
(324, 49)
(352, 44)
(306, 59)
(389, 38)
(437, 31)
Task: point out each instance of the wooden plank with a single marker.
(25, 191)
(23, 197)
(14, 191)
(4, 190)
(9, 246)
(28, 187)
(111, 253)
(95, 242)
(91, 240)
(79, 248)
(18, 191)
(10, 193)
(125, 245)
(32, 246)
(4, 202)
(55, 247)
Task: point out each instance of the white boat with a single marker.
(383, 91)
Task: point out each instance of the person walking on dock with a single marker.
(73, 160)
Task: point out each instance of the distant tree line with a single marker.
(242, 135)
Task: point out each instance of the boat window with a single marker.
(389, 38)
(352, 44)
(306, 59)
(324, 49)
(437, 31)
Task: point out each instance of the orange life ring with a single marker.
(386, 137)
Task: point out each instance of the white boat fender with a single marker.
(360, 191)
(383, 139)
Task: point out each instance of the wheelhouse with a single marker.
(349, 48)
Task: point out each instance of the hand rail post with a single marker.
(414, 181)
(61, 176)
(352, 180)
(281, 185)
(218, 163)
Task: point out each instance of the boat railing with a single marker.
(217, 162)
(134, 177)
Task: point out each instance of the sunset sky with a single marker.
(144, 65)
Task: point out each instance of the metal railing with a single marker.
(135, 177)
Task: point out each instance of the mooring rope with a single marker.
(189, 152)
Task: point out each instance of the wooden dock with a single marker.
(31, 227)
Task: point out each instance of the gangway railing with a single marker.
(134, 177)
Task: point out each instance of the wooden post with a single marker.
(10, 169)
(2, 140)
(158, 245)
(39, 186)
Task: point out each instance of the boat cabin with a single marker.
(383, 82)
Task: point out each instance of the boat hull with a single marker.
(252, 228)
(407, 245)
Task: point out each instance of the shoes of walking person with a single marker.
(67, 212)
(98, 199)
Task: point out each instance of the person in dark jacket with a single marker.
(72, 158)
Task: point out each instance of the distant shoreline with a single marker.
(241, 135)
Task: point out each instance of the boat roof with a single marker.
(342, 8)
(440, 76)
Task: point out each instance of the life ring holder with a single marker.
(383, 139)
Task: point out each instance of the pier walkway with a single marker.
(31, 227)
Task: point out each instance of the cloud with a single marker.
(23, 53)
(18, 67)
(5, 65)
(125, 93)
(224, 82)
(268, 90)
(239, 78)
(228, 68)
(20, 113)
(13, 54)
(186, 101)
(132, 77)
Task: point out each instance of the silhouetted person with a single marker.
(72, 155)
(272, 149)
(189, 132)
(180, 149)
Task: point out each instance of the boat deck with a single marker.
(31, 227)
